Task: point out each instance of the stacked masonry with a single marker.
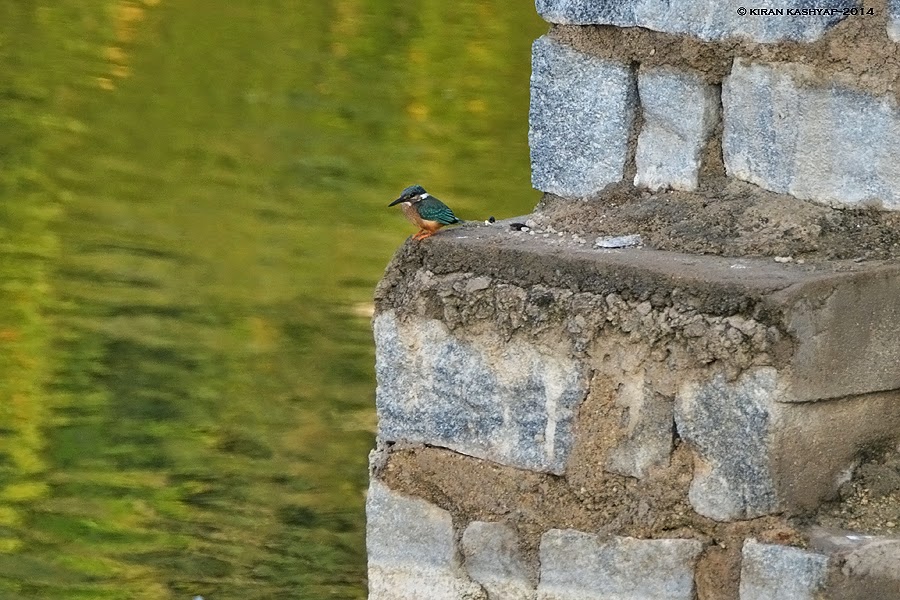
(584, 424)
(814, 143)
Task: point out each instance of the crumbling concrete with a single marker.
(738, 351)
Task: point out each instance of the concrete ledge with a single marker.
(845, 327)
(839, 318)
(486, 339)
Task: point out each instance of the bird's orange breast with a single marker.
(413, 215)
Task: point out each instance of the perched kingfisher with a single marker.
(425, 211)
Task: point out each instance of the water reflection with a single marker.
(192, 219)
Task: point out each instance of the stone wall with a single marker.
(562, 418)
(797, 118)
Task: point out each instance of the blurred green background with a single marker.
(193, 215)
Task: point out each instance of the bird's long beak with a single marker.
(397, 201)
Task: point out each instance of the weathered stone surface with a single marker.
(412, 550)
(729, 426)
(863, 567)
(705, 19)
(507, 402)
(768, 432)
(680, 111)
(893, 24)
(812, 142)
(586, 12)
(757, 454)
(847, 328)
(582, 109)
(770, 571)
(879, 558)
(861, 556)
(494, 559)
(647, 431)
(582, 566)
(816, 444)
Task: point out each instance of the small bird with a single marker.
(425, 211)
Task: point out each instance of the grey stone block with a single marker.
(704, 19)
(729, 426)
(828, 144)
(494, 559)
(412, 550)
(507, 402)
(770, 571)
(582, 109)
(586, 12)
(758, 452)
(893, 22)
(647, 432)
(680, 112)
(581, 566)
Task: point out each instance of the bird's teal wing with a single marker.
(432, 209)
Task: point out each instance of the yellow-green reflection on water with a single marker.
(192, 218)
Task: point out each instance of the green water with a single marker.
(192, 219)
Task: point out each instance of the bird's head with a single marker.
(413, 193)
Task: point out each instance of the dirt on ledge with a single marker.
(728, 217)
